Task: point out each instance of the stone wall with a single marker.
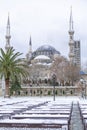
(47, 91)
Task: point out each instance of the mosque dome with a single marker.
(46, 50)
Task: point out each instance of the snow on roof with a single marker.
(48, 64)
(42, 57)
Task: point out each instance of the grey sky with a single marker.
(47, 21)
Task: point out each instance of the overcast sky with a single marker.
(47, 21)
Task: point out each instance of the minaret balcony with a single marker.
(71, 42)
(7, 36)
(71, 55)
(71, 32)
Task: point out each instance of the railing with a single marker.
(81, 115)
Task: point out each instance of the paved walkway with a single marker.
(76, 122)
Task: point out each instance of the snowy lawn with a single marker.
(37, 110)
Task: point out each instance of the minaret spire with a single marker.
(71, 39)
(8, 36)
(8, 21)
(29, 54)
(30, 41)
(30, 45)
(71, 20)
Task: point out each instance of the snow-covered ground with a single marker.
(36, 110)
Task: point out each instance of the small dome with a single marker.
(42, 57)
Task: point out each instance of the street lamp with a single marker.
(54, 81)
(85, 88)
(84, 83)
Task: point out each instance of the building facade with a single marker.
(77, 53)
(74, 46)
(40, 61)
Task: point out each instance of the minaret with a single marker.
(30, 46)
(71, 39)
(8, 36)
(29, 54)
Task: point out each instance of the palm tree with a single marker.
(10, 66)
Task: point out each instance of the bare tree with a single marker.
(66, 72)
(72, 73)
(58, 67)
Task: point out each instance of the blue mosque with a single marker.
(50, 51)
(40, 61)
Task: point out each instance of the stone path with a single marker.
(76, 122)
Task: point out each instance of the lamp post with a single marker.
(85, 88)
(54, 81)
(83, 82)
